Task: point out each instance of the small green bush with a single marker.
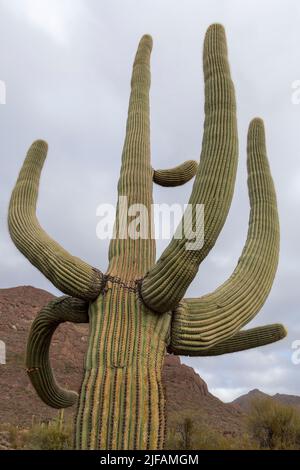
(49, 437)
(185, 432)
(274, 425)
(55, 435)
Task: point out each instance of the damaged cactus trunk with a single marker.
(121, 404)
(137, 311)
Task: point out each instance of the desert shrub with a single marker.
(180, 432)
(14, 435)
(186, 432)
(52, 435)
(55, 435)
(274, 425)
(48, 437)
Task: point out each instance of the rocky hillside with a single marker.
(291, 400)
(186, 392)
(19, 404)
(243, 402)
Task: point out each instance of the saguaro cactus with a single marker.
(137, 310)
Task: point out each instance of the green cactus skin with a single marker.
(201, 323)
(64, 309)
(245, 339)
(176, 176)
(166, 283)
(68, 273)
(137, 311)
(121, 404)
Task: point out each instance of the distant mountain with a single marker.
(243, 402)
(291, 400)
(186, 392)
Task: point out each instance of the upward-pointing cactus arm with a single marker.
(68, 273)
(64, 309)
(176, 176)
(129, 256)
(214, 320)
(167, 281)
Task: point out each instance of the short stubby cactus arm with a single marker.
(176, 176)
(167, 281)
(68, 273)
(206, 321)
(241, 341)
(63, 309)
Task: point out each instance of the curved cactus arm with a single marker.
(220, 315)
(68, 273)
(166, 283)
(176, 176)
(241, 341)
(64, 309)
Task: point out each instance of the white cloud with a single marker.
(294, 187)
(54, 17)
(221, 260)
(228, 394)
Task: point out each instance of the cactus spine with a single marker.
(137, 311)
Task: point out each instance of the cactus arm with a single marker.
(166, 283)
(217, 316)
(133, 257)
(241, 341)
(37, 356)
(176, 176)
(68, 273)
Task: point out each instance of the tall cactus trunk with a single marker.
(121, 404)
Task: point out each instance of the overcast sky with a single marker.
(67, 65)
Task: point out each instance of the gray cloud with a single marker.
(67, 67)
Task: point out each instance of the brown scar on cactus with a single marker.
(137, 310)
